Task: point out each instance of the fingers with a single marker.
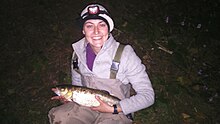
(56, 97)
(60, 98)
(103, 107)
(99, 100)
(97, 107)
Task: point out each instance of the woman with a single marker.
(95, 54)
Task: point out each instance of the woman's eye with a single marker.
(103, 25)
(88, 26)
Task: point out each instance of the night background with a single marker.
(177, 40)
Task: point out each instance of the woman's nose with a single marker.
(96, 30)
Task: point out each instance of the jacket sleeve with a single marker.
(136, 74)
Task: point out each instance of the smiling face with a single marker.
(96, 33)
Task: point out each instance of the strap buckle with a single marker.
(115, 66)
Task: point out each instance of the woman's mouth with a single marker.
(96, 38)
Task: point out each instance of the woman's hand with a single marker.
(103, 107)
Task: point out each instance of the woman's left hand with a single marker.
(103, 107)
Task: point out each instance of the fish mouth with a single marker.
(56, 91)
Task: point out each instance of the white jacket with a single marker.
(131, 70)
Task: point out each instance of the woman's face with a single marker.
(96, 33)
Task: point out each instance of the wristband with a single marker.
(115, 109)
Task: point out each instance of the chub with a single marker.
(85, 96)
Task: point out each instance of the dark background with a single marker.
(178, 41)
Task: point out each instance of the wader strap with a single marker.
(116, 61)
(75, 65)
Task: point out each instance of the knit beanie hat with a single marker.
(96, 11)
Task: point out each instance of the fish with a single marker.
(84, 96)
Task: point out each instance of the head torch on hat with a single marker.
(96, 11)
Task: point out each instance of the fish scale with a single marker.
(85, 96)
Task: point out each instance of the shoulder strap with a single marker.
(116, 61)
(74, 64)
(75, 61)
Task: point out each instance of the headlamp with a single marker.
(93, 10)
(96, 11)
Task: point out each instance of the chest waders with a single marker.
(113, 70)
